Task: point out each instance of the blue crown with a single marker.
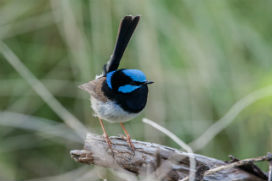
(134, 74)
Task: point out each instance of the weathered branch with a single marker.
(163, 162)
(270, 171)
(239, 163)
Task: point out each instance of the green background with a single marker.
(203, 56)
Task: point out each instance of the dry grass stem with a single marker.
(181, 143)
(42, 91)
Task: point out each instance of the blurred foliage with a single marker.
(202, 55)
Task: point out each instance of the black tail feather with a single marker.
(126, 29)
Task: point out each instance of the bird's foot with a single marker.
(128, 139)
(107, 139)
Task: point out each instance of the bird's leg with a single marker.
(105, 134)
(128, 137)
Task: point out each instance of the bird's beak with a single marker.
(148, 82)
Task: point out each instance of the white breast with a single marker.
(110, 111)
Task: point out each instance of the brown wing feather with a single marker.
(94, 88)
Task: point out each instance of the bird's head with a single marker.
(126, 80)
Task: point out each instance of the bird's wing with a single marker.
(126, 29)
(94, 88)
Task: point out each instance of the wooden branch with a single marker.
(163, 162)
(270, 171)
(236, 164)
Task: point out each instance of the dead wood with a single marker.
(163, 162)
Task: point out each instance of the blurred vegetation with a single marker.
(202, 55)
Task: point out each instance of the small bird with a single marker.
(118, 95)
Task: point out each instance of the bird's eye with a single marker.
(134, 83)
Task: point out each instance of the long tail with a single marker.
(126, 29)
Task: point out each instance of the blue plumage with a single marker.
(128, 88)
(135, 74)
(109, 75)
(124, 80)
(118, 95)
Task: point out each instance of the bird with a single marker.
(118, 95)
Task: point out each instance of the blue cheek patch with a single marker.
(135, 75)
(128, 88)
(109, 75)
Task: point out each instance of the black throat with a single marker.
(132, 102)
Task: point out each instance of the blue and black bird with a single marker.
(118, 95)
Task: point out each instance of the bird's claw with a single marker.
(107, 139)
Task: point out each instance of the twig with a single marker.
(239, 163)
(268, 157)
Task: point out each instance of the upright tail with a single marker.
(126, 29)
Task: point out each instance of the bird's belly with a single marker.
(110, 111)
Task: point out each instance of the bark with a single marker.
(162, 162)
